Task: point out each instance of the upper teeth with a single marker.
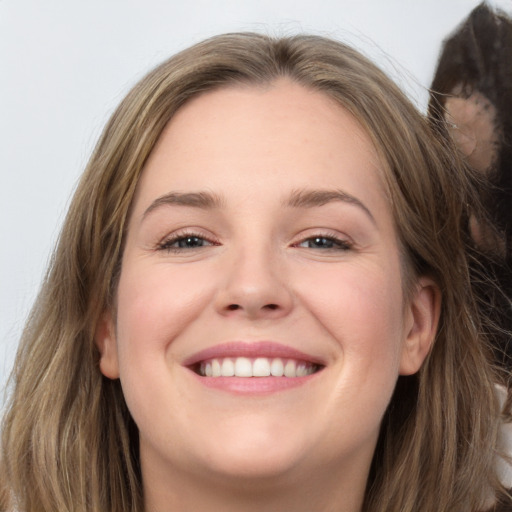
(258, 367)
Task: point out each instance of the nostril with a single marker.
(266, 307)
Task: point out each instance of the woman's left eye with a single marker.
(326, 243)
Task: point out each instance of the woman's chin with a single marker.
(257, 469)
(255, 455)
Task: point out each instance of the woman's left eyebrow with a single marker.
(203, 200)
(313, 198)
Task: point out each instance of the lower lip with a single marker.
(254, 385)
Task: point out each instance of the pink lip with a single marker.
(251, 349)
(251, 385)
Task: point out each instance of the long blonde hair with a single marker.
(68, 440)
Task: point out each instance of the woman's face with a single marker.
(261, 242)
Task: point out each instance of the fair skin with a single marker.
(261, 231)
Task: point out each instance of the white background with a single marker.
(65, 64)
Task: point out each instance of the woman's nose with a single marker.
(255, 286)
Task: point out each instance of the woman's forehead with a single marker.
(284, 131)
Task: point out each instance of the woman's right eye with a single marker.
(184, 242)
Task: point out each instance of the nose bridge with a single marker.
(254, 283)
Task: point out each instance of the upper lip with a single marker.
(252, 349)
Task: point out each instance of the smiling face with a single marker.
(261, 244)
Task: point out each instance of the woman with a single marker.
(260, 301)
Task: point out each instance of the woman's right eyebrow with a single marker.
(203, 200)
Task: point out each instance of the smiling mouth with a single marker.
(246, 367)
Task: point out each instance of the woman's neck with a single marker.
(182, 492)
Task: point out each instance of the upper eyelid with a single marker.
(188, 231)
(324, 233)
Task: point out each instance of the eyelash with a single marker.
(167, 244)
(336, 243)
